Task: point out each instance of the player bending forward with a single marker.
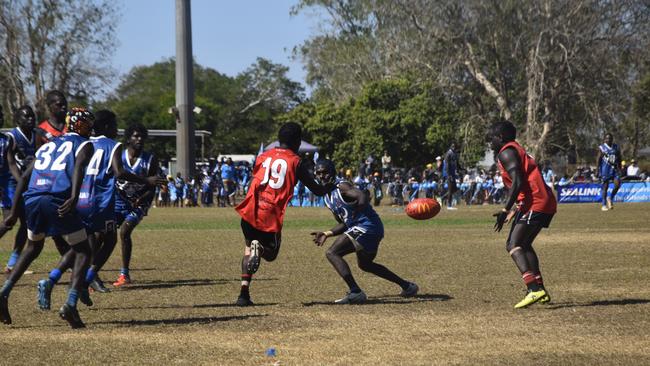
(363, 231)
(535, 208)
(275, 174)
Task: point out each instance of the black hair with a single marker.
(505, 129)
(52, 95)
(290, 134)
(137, 127)
(25, 107)
(103, 118)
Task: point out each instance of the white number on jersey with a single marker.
(93, 165)
(276, 170)
(44, 156)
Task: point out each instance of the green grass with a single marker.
(186, 269)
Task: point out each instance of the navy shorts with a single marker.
(43, 220)
(7, 189)
(364, 239)
(130, 215)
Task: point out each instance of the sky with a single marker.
(227, 35)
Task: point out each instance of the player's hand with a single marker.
(67, 206)
(511, 214)
(501, 219)
(9, 222)
(155, 180)
(319, 237)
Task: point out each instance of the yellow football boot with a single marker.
(531, 298)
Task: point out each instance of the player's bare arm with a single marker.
(510, 161)
(598, 157)
(354, 195)
(77, 178)
(308, 180)
(153, 176)
(21, 187)
(321, 236)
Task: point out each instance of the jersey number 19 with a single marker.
(274, 173)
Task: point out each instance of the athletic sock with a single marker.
(245, 284)
(73, 296)
(539, 279)
(13, 259)
(124, 271)
(530, 281)
(55, 276)
(90, 275)
(6, 288)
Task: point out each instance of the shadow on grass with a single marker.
(554, 306)
(391, 300)
(156, 284)
(175, 306)
(178, 321)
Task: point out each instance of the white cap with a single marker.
(438, 158)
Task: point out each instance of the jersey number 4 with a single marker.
(44, 156)
(274, 173)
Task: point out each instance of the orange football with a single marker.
(422, 208)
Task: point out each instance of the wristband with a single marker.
(328, 233)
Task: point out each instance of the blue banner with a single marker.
(591, 192)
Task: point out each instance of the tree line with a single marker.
(403, 76)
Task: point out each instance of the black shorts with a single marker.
(270, 241)
(530, 218)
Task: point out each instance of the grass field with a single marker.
(186, 277)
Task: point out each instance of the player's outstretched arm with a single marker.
(510, 162)
(321, 236)
(121, 173)
(308, 180)
(83, 158)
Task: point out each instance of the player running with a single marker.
(535, 207)
(609, 167)
(275, 174)
(133, 199)
(363, 231)
(97, 208)
(13, 150)
(51, 187)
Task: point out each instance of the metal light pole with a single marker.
(184, 90)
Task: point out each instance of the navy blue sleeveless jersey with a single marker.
(53, 167)
(609, 162)
(367, 219)
(128, 192)
(98, 188)
(24, 148)
(4, 150)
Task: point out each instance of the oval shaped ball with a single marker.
(422, 208)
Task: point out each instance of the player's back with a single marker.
(98, 188)
(25, 148)
(54, 165)
(535, 194)
(129, 191)
(271, 188)
(5, 174)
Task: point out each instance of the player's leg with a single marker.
(61, 245)
(127, 246)
(366, 263)
(341, 247)
(258, 245)
(79, 245)
(603, 194)
(14, 254)
(519, 246)
(45, 286)
(31, 252)
(106, 242)
(617, 185)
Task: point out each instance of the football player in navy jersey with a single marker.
(133, 199)
(609, 168)
(50, 189)
(362, 231)
(20, 154)
(96, 207)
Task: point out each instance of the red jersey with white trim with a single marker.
(46, 132)
(274, 177)
(535, 195)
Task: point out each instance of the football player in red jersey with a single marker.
(275, 174)
(54, 125)
(534, 205)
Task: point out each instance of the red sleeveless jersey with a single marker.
(48, 132)
(274, 177)
(535, 195)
